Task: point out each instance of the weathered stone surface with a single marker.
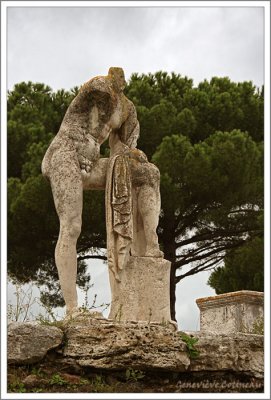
(105, 344)
(29, 342)
(72, 163)
(132, 206)
(110, 345)
(236, 352)
(231, 312)
(116, 345)
(143, 292)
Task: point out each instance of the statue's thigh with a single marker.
(67, 188)
(144, 174)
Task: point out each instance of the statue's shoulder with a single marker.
(97, 84)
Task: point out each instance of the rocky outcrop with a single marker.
(237, 352)
(29, 342)
(105, 344)
(114, 345)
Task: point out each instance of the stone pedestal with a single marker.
(143, 293)
(231, 312)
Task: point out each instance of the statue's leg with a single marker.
(149, 205)
(67, 190)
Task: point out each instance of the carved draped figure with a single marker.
(121, 208)
(119, 213)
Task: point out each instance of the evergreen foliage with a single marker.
(208, 144)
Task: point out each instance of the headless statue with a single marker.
(72, 164)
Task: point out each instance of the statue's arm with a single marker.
(130, 128)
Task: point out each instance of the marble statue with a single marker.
(132, 204)
(72, 164)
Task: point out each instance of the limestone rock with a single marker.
(112, 345)
(29, 342)
(118, 345)
(236, 352)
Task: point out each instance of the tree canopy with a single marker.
(208, 144)
(243, 269)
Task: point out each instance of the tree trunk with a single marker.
(169, 251)
(173, 292)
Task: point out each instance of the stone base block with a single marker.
(143, 293)
(231, 312)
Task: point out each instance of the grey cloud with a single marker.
(63, 47)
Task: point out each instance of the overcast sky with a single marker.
(64, 47)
